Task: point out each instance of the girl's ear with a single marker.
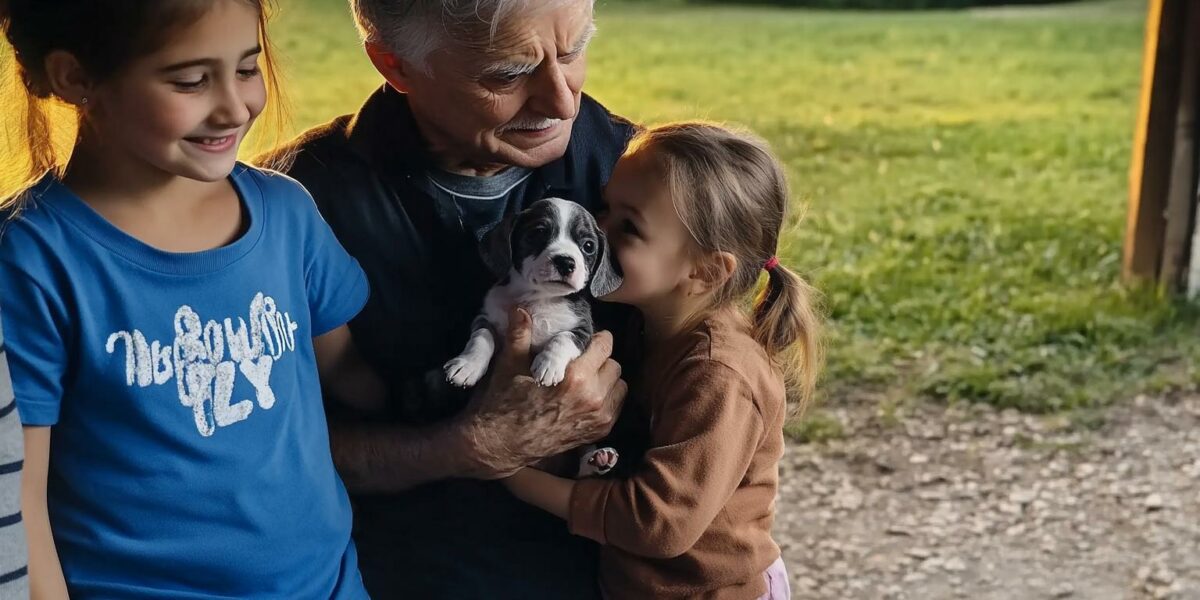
(67, 77)
(710, 272)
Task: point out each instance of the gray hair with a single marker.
(413, 29)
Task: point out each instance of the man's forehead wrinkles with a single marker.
(519, 44)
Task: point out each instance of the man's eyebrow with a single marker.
(513, 67)
(584, 39)
(204, 62)
(508, 67)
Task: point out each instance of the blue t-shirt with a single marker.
(189, 453)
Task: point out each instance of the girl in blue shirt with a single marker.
(167, 310)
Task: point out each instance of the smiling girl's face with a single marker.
(185, 108)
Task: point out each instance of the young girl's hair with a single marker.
(732, 196)
(104, 36)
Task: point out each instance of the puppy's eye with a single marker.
(588, 247)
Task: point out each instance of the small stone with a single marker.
(1022, 496)
(919, 553)
(848, 498)
(885, 464)
(932, 564)
(1085, 470)
(1010, 508)
(1162, 576)
(955, 565)
(1154, 502)
(1063, 590)
(918, 459)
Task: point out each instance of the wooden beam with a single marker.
(1181, 191)
(1153, 148)
(1193, 278)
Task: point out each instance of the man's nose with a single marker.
(552, 94)
(565, 265)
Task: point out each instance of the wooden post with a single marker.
(1193, 278)
(1153, 149)
(1181, 192)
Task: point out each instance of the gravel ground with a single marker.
(967, 502)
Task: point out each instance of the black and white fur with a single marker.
(549, 258)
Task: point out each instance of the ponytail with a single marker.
(787, 324)
(27, 149)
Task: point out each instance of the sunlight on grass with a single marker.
(965, 175)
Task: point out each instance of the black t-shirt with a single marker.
(404, 222)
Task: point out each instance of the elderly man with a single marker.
(482, 114)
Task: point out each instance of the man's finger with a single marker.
(612, 404)
(609, 373)
(616, 396)
(520, 329)
(597, 352)
(514, 359)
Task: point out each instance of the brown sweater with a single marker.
(694, 521)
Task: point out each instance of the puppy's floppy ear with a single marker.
(495, 247)
(607, 275)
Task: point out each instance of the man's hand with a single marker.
(514, 422)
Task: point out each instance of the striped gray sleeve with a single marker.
(14, 581)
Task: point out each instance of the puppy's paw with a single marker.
(549, 368)
(465, 370)
(597, 462)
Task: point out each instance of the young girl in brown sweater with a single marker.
(694, 216)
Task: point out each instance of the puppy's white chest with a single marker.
(550, 317)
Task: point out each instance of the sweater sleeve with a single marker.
(703, 439)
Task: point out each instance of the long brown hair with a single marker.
(732, 196)
(104, 37)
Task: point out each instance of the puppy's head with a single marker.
(555, 246)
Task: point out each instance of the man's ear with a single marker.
(397, 71)
(711, 271)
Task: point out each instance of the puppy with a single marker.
(549, 258)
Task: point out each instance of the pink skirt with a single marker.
(778, 586)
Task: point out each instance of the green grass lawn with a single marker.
(965, 177)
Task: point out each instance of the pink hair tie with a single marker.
(771, 263)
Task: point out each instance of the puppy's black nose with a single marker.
(564, 264)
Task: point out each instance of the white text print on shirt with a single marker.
(205, 358)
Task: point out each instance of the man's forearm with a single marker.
(393, 458)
